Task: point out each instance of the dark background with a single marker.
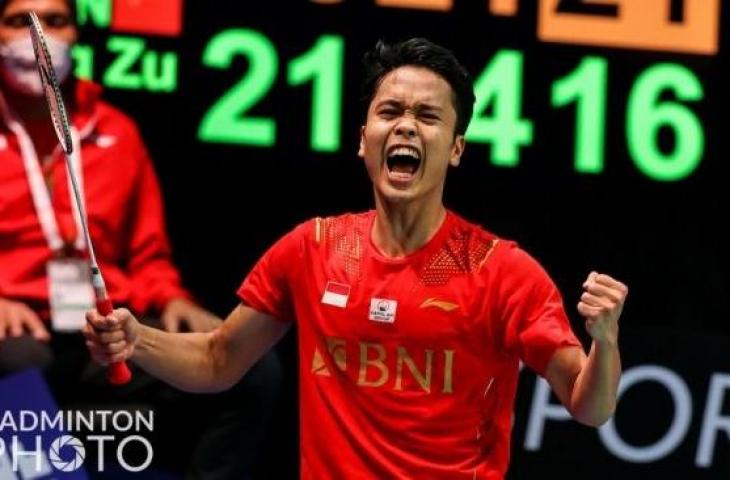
(226, 204)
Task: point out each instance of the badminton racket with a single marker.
(117, 373)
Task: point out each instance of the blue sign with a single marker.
(32, 444)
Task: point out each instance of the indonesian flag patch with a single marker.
(336, 294)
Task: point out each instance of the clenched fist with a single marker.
(112, 338)
(601, 304)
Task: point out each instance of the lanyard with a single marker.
(38, 188)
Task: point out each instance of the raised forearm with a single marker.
(593, 398)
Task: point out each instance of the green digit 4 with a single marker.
(500, 86)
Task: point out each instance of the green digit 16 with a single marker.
(227, 121)
(646, 114)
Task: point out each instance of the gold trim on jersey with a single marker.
(490, 249)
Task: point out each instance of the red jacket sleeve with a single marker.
(154, 279)
(531, 310)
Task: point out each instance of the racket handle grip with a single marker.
(117, 373)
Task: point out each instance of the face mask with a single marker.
(19, 69)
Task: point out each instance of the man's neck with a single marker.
(402, 228)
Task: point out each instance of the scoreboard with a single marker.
(663, 131)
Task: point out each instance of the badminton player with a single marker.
(411, 321)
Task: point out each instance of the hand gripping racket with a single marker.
(118, 373)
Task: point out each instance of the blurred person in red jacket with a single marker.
(39, 225)
(44, 281)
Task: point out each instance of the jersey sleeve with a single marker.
(533, 318)
(268, 286)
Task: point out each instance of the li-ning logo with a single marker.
(442, 304)
(54, 454)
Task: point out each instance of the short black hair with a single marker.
(420, 52)
(71, 6)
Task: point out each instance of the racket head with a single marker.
(51, 89)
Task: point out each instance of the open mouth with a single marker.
(403, 162)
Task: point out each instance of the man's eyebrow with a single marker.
(421, 106)
(428, 106)
(389, 102)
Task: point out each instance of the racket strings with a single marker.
(58, 116)
(50, 84)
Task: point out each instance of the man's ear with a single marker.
(457, 150)
(361, 149)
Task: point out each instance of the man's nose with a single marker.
(406, 128)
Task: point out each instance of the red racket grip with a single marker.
(117, 373)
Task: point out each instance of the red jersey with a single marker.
(124, 207)
(408, 366)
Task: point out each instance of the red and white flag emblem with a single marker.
(336, 294)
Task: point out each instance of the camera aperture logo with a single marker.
(37, 443)
(54, 454)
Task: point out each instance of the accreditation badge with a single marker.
(70, 292)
